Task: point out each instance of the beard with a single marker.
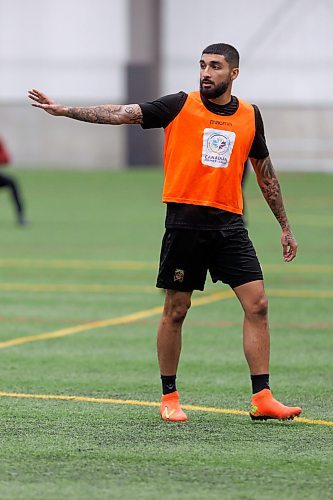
(215, 91)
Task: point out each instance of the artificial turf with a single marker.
(90, 230)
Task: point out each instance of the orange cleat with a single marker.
(170, 408)
(264, 406)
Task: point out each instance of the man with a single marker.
(7, 182)
(208, 137)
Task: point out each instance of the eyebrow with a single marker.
(211, 62)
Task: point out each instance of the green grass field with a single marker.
(90, 254)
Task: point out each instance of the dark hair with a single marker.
(229, 52)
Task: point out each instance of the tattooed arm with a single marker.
(270, 187)
(108, 113)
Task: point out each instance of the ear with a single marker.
(234, 73)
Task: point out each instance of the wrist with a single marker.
(287, 230)
(284, 224)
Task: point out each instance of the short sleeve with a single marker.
(160, 113)
(259, 149)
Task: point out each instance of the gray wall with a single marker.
(78, 51)
(36, 139)
(299, 137)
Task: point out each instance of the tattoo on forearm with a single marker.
(107, 114)
(270, 188)
(96, 114)
(134, 116)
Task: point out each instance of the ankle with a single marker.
(168, 384)
(260, 382)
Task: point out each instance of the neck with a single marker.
(223, 99)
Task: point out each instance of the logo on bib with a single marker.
(217, 147)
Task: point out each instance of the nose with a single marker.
(206, 71)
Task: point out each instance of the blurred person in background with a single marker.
(11, 184)
(209, 135)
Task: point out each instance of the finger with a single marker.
(37, 95)
(285, 249)
(34, 93)
(37, 92)
(293, 247)
(287, 258)
(291, 254)
(290, 257)
(40, 105)
(33, 97)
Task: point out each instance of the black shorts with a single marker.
(187, 255)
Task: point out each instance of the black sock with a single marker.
(260, 382)
(168, 383)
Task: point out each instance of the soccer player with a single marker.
(209, 134)
(10, 183)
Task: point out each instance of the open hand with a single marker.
(44, 102)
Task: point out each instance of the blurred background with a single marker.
(87, 52)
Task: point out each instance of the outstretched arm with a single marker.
(112, 114)
(270, 187)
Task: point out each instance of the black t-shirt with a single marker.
(160, 113)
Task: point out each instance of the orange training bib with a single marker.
(204, 155)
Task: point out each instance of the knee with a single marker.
(177, 312)
(259, 308)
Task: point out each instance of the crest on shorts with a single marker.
(179, 275)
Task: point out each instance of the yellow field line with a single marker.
(43, 287)
(120, 320)
(132, 402)
(140, 265)
(95, 288)
(79, 264)
(298, 268)
(148, 313)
